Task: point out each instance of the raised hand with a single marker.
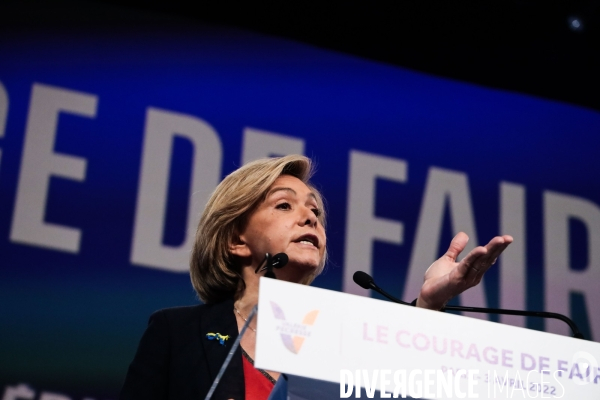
(446, 277)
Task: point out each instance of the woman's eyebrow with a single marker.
(288, 189)
(279, 189)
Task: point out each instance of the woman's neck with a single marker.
(248, 297)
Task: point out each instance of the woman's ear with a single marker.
(238, 247)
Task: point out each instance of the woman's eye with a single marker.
(283, 206)
(316, 211)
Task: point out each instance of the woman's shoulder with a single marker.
(175, 316)
(180, 312)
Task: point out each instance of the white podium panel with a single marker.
(363, 342)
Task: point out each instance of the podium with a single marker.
(329, 340)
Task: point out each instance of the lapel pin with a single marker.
(217, 336)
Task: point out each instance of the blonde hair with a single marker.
(213, 270)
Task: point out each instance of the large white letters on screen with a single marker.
(259, 144)
(512, 261)
(443, 186)
(161, 128)
(39, 163)
(363, 227)
(561, 280)
(3, 112)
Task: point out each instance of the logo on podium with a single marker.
(293, 334)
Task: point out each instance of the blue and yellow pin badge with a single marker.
(217, 336)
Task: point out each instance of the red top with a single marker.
(258, 386)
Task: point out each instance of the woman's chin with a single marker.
(297, 271)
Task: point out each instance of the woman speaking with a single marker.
(267, 206)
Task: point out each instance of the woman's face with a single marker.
(286, 221)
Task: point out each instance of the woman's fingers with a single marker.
(496, 247)
(482, 258)
(470, 266)
(458, 244)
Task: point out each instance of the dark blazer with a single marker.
(175, 360)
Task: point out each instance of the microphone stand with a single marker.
(277, 261)
(234, 347)
(541, 314)
(370, 284)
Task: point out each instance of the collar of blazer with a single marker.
(219, 317)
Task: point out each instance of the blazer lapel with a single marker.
(219, 318)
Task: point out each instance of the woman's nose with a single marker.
(309, 217)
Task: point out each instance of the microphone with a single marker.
(365, 281)
(278, 261)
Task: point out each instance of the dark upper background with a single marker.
(525, 46)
